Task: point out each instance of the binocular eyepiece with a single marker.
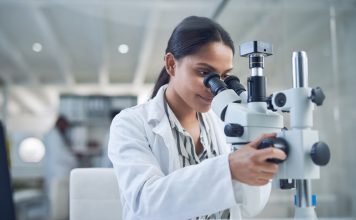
(212, 81)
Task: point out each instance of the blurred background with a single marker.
(88, 60)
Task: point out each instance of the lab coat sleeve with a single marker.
(251, 199)
(254, 199)
(185, 193)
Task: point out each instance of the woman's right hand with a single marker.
(248, 164)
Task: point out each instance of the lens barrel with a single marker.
(233, 82)
(212, 81)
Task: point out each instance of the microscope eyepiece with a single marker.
(212, 81)
(233, 82)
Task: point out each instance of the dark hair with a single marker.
(188, 37)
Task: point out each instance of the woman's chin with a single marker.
(204, 108)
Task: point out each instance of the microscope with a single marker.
(248, 114)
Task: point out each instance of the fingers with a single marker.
(267, 167)
(261, 182)
(269, 153)
(264, 175)
(249, 165)
(258, 141)
(260, 178)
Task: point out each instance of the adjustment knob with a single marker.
(317, 96)
(280, 99)
(278, 143)
(233, 130)
(320, 153)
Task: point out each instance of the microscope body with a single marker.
(248, 114)
(253, 119)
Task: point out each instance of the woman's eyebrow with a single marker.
(212, 68)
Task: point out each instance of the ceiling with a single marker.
(80, 40)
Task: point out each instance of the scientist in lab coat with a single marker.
(170, 154)
(60, 159)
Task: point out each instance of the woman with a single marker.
(170, 154)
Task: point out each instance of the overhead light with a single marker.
(123, 48)
(31, 150)
(37, 47)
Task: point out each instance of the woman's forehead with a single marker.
(213, 55)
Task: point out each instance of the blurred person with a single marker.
(60, 159)
(170, 155)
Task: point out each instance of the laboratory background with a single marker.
(85, 61)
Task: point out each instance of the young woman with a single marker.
(170, 154)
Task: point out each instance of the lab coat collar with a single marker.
(158, 119)
(206, 121)
(156, 109)
(159, 122)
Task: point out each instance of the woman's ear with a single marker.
(170, 64)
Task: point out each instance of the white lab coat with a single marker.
(154, 186)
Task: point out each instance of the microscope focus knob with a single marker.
(278, 143)
(233, 130)
(320, 153)
(317, 96)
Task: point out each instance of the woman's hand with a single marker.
(248, 164)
